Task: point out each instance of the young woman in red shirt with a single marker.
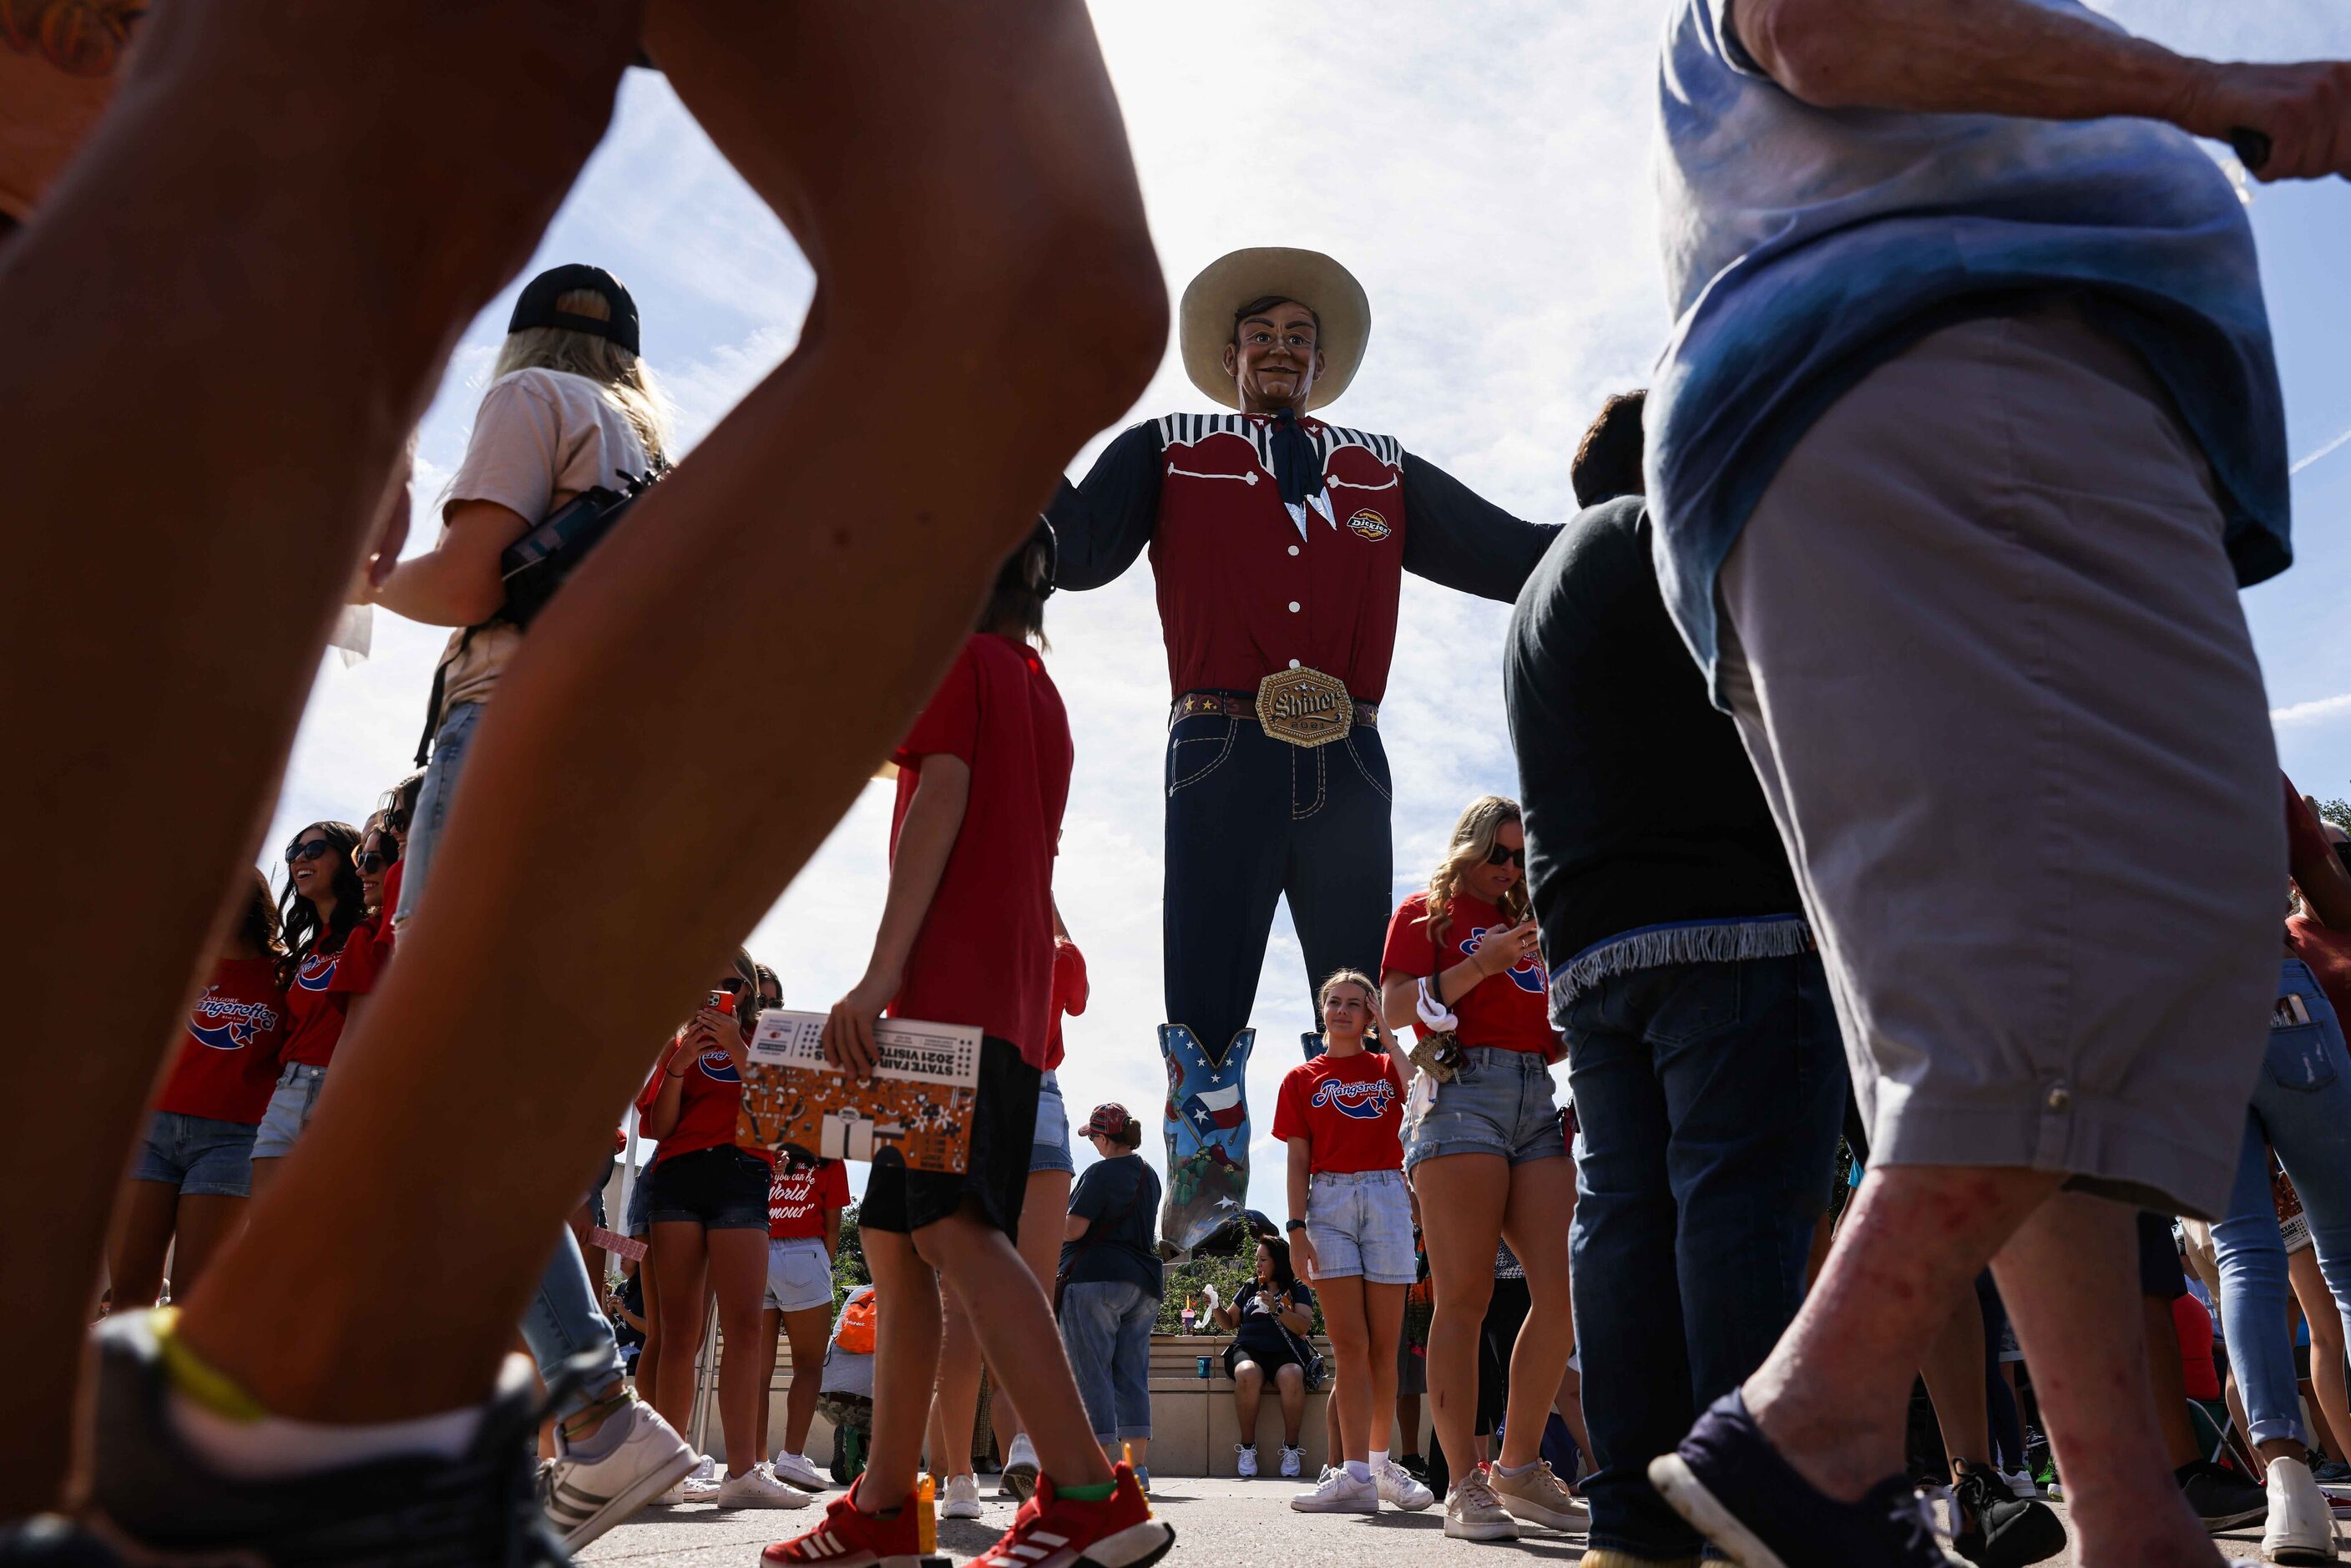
(803, 1237)
(1351, 1236)
(1485, 1150)
(193, 1174)
(709, 1213)
(330, 964)
(378, 854)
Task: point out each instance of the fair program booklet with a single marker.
(915, 1111)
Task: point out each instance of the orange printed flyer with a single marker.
(917, 1110)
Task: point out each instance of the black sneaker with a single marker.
(155, 1494)
(1733, 1488)
(2222, 1498)
(1996, 1530)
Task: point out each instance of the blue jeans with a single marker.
(563, 1320)
(2302, 1107)
(1708, 1098)
(1106, 1329)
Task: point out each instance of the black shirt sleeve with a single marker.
(1101, 526)
(1455, 537)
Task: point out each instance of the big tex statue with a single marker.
(1280, 544)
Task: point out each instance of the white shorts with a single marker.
(799, 1276)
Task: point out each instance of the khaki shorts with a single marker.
(1984, 647)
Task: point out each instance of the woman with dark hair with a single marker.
(1271, 1317)
(709, 1214)
(191, 1175)
(1111, 1286)
(1484, 1149)
(331, 961)
(376, 859)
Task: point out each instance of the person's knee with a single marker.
(1290, 1379)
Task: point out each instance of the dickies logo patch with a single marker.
(1369, 525)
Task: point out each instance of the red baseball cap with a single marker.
(1109, 1120)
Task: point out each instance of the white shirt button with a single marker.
(1293, 607)
(1293, 549)
(1293, 663)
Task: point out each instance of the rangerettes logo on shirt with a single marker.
(317, 971)
(719, 1067)
(1366, 1101)
(224, 1023)
(1527, 973)
(1368, 524)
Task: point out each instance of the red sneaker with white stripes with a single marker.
(1055, 1532)
(847, 1537)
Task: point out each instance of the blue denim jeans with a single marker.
(1106, 1329)
(1707, 1099)
(2301, 1107)
(563, 1318)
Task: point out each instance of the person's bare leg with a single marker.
(206, 1222)
(738, 1279)
(341, 262)
(1044, 1209)
(2070, 1278)
(905, 1366)
(144, 1217)
(1570, 1405)
(265, 1171)
(1833, 1394)
(1953, 1368)
(1541, 1208)
(771, 1328)
(1407, 1423)
(1018, 1331)
(649, 1354)
(1290, 1382)
(961, 231)
(1248, 1395)
(955, 1404)
(1349, 1408)
(1471, 1191)
(1383, 1325)
(679, 1244)
(2167, 1378)
(2325, 1321)
(807, 1330)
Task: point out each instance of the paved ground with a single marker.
(1218, 1522)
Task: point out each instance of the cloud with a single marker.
(2320, 710)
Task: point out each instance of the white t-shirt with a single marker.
(540, 438)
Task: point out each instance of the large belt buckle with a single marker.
(1304, 707)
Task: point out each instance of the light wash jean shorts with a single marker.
(799, 1276)
(1360, 1224)
(1049, 1150)
(1499, 1102)
(291, 1105)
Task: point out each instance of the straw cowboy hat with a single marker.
(1310, 277)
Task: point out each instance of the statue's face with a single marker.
(1274, 358)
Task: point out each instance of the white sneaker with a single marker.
(2021, 1485)
(687, 1490)
(1398, 1488)
(585, 1498)
(1245, 1461)
(2301, 1526)
(707, 1468)
(799, 1471)
(1539, 1496)
(757, 1488)
(1339, 1492)
(1293, 1460)
(1020, 1478)
(1471, 1512)
(962, 1501)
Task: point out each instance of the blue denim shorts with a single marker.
(200, 1155)
(1360, 1224)
(640, 1217)
(721, 1189)
(1050, 1148)
(1499, 1102)
(291, 1105)
(800, 1275)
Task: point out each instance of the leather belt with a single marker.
(1304, 707)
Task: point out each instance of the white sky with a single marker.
(1482, 168)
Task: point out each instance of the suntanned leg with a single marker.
(955, 1408)
(1044, 1208)
(1471, 1191)
(2069, 1277)
(771, 1326)
(1834, 1395)
(739, 1272)
(1351, 1348)
(649, 1354)
(905, 1366)
(806, 1332)
(206, 1222)
(1290, 1382)
(1249, 1394)
(1384, 1321)
(2167, 1376)
(679, 1245)
(1541, 1208)
(144, 1217)
(2318, 1309)
(311, 285)
(949, 218)
(1953, 1368)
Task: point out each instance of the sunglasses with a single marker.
(1498, 855)
(308, 850)
(371, 862)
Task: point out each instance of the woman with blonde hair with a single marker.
(1484, 1147)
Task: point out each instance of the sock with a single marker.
(1357, 1470)
(1379, 1456)
(235, 1436)
(1098, 1493)
(1515, 1472)
(601, 1443)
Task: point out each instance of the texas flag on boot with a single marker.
(1221, 1109)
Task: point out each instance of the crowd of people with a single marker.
(1894, 774)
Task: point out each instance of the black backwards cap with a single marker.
(535, 306)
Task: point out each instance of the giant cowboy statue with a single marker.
(1280, 544)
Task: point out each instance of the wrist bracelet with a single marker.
(1295, 1224)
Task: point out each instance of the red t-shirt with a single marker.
(392, 890)
(799, 1200)
(2194, 1326)
(710, 1098)
(1070, 993)
(1511, 1011)
(985, 954)
(1349, 1108)
(228, 1057)
(320, 999)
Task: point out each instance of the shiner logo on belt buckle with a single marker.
(1304, 707)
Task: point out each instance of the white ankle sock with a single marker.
(1379, 1457)
(273, 1445)
(1358, 1471)
(1515, 1472)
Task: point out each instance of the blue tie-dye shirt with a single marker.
(1804, 246)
